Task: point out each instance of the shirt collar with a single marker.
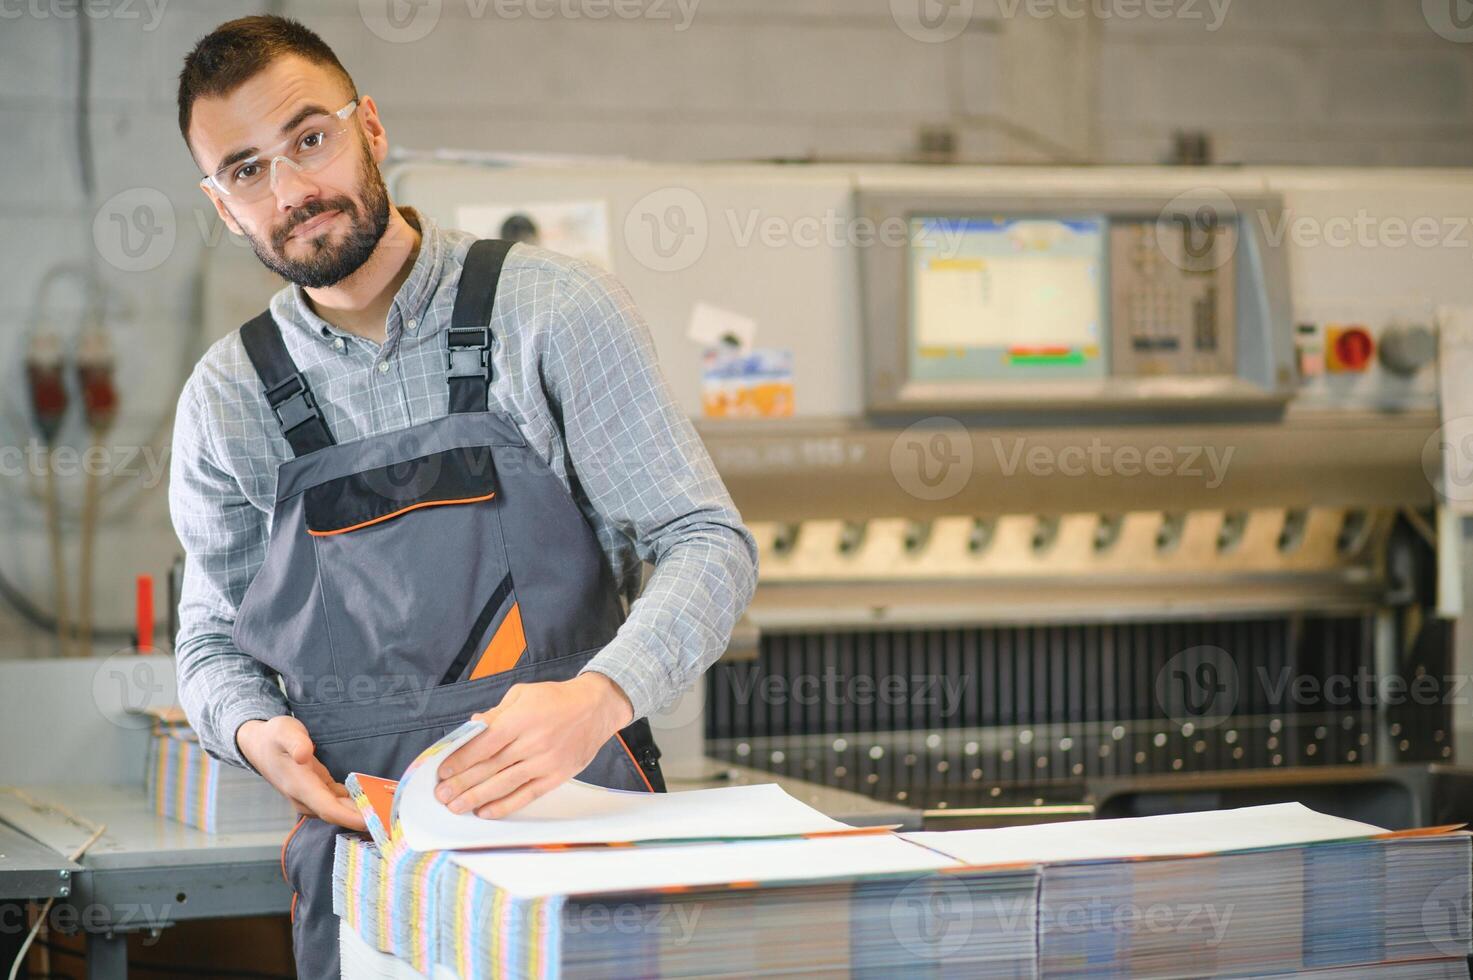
(411, 301)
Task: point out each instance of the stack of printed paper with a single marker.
(746, 880)
(187, 785)
(1256, 892)
(595, 882)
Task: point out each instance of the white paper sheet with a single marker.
(577, 813)
(590, 871)
(577, 229)
(1248, 828)
(710, 325)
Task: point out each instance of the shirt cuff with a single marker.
(237, 714)
(638, 675)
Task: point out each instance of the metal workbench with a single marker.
(147, 872)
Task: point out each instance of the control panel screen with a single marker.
(1008, 298)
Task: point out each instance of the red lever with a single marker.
(145, 614)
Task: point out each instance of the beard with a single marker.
(329, 262)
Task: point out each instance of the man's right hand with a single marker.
(282, 752)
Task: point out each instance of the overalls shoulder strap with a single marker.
(468, 341)
(287, 391)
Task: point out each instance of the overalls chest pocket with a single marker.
(414, 572)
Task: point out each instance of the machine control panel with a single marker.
(1384, 362)
(1134, 303)
(1172, 299)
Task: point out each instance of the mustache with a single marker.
(307, 212)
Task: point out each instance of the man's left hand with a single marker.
(538, 737)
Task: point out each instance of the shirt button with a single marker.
(412, 325)
(383, 366)
(339, 343)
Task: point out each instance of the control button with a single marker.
(1349, 350)
(1405, 350)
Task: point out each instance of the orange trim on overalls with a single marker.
(507, 645)
(402, 510)
(290, 834)
(292, 915)
(637, 767)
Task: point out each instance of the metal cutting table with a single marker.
(146, 871)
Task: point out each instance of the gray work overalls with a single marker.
(411, 578)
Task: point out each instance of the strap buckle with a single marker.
(295, 407)
(468, 358)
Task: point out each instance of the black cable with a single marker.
(46, 622)
(84, 103)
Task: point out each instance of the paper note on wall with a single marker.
(712, 326)
(747, 384)
(578, 229)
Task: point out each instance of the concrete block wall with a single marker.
(1296, 81)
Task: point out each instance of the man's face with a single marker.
(314, 228)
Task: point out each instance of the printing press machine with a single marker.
(1137, 555)
(1173, 524)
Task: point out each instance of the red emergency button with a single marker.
(1349, 350)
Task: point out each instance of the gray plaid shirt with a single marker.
(573, 364)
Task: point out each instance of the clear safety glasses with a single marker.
(318, 141)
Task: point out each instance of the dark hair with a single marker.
(238, 50)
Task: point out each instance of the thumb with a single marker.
(298, 744)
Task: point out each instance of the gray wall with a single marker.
(1292, 81)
